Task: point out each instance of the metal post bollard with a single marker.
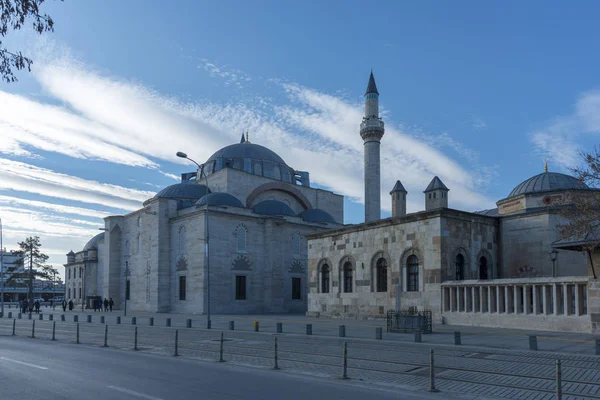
(231, 325)
(378, 333)
(342, 331)
(133, 320)
(275, 356)
(457, 338)
(280, 327)
(53, 330)
(118, 320)
(51, 317)
(102, 320)
(63, 318)
(29, 316)
(256, 326)
(533, 342)
(176, 343)
(417, 337)
(151, 322)
(345, 372)
(558, 381)
(33, 330)
(431, 373)
(41, 317)
(135, 339)
(75, 318)
(19, 316)
(105, 335)
(598, 347)
(168, 322)
(309, 329)
(77, 333)
(221, 349)
(89, 319)
(14, 326)
(10, 314)
(189, 323)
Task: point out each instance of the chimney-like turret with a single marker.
(398, 194)
(436, 195)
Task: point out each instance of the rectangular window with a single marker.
(182, 288)
(69, 296)
(296, 288)
(128, 290)
(240, 287)
(80, 293)
(69, 275)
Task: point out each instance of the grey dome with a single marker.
(247, 150)
(251, 158)
(316, 215)
(183, 191)
(93, 243)
(273, 207)
(547, 182)
(220, 199)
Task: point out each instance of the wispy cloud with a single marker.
(230, 76)
(561, 138)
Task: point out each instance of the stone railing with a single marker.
(525, 303)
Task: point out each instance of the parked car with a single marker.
(38, 299)
(59, 299)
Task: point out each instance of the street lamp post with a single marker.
(206, 253)
(127, 275)
(83, 284)
(54, 290)
(553, 256)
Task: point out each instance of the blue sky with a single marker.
(478, 93)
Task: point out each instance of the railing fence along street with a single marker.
(366, 356)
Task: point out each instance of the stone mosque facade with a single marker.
(275, 244)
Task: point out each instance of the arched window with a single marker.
(296, 244)
(348, 277)
(241, 238)
(325, 278)
(460, 267)
(182, 240)
(412, 274)
(382, 276)
(483, 268)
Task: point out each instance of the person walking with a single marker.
(105, 304)
(24, 306)
(64, 305)
(70, 305)
(95, 304)
(111, 303)
(37, 306)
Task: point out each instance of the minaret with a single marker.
(398, 194)
(371, 131)
(436, 195)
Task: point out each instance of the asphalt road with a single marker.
(35, 369)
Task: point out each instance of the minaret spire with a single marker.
(371, 131)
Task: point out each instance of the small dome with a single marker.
(547, 182)
(220, 199)
(183, 191)
(273, 207)
(316, 215)
(93, 243)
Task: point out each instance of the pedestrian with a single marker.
(99, 304)
(37, 306)
(24, 306)
(95, 303)
(51, 302)
(111, 303)
(105, 304)
(64, 305)
(20, 305)
(70, 305)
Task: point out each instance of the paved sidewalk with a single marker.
(494, 338)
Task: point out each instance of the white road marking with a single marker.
(131, 392)
(21, 362)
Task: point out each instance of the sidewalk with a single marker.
(493, 338)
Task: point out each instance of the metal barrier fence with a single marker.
(409, 321)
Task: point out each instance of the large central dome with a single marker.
(547, 182)
(252, 158)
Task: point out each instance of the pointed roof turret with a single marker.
(371, 87)
(436, 184)
(398, 188)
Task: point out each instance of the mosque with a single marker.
(246, 233)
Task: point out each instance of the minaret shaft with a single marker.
(371, 131)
